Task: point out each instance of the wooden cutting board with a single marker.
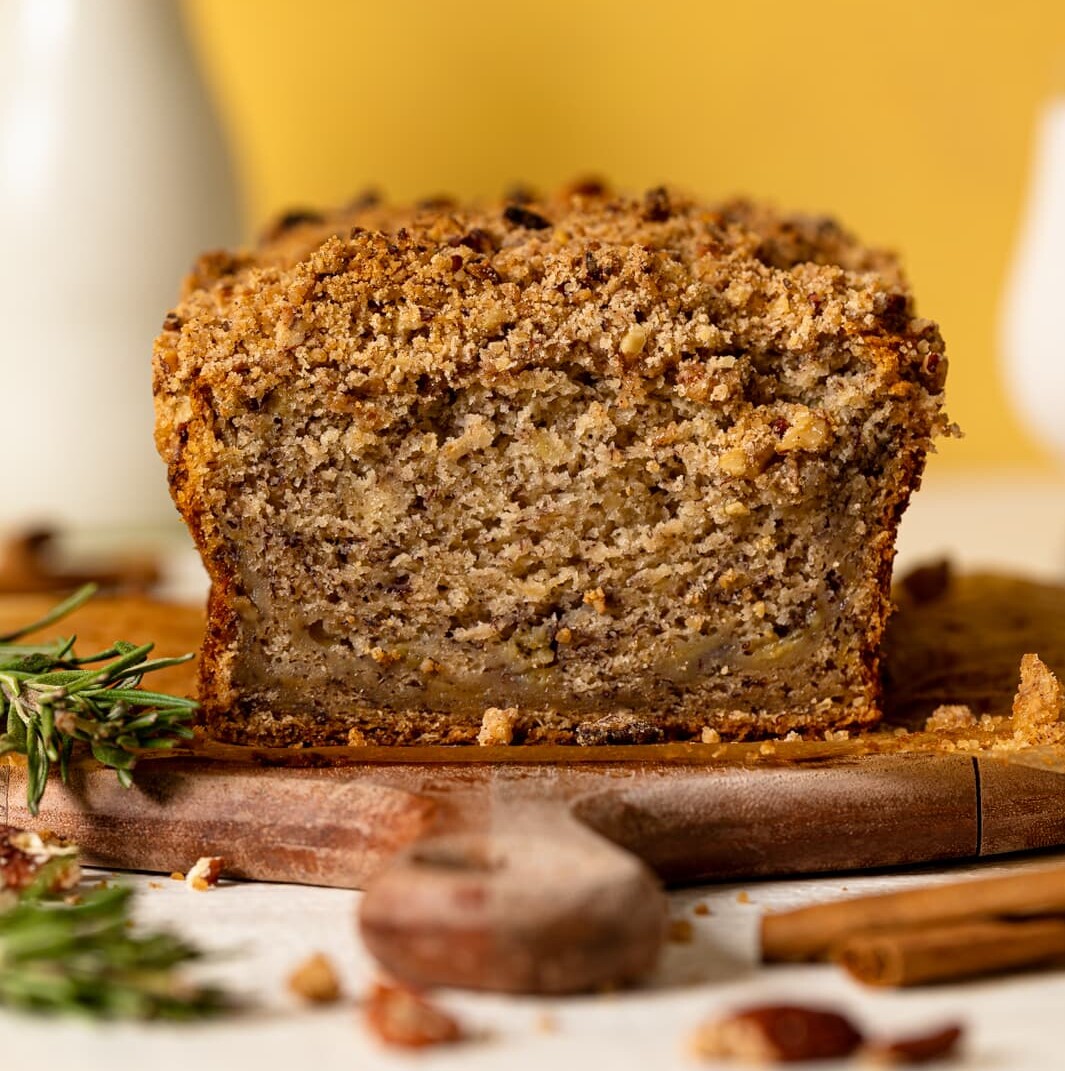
(539, 869)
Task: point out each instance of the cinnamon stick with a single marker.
(811, 932)
(956, 950)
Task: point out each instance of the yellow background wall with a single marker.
(911, 121)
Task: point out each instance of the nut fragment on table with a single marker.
(27, 856)
(401, 1017)
(777, 1034)
(315, 980)
(204, 873)
(903, 1052)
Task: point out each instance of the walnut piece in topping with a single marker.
(27, 856)
(315, 980)
(399, 1016)
(777, 1034)
(204, 873)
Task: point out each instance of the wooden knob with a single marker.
(555, 911)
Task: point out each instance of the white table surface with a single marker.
(1016, 1023)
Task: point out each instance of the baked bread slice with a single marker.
(592, 469)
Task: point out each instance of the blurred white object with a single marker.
(113, 176)
(1034, 314)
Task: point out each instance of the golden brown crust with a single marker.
(803, 346)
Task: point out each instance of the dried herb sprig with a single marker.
(57, 957)
(51, 700)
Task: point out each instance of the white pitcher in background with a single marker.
(113, 176)
(1033, 323)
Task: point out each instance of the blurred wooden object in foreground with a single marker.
(31, 562)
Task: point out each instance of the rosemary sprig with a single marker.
(59, 957)
(51, 700)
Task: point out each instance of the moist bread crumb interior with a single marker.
(624, 469)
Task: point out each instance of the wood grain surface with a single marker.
(537, 869)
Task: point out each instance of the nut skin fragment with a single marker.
(315, 980)
(778, 1034)
(400, 1017)
(204, 873)
(940, 1045)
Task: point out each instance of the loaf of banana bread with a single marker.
(586, 469)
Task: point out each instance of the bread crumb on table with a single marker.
(204, 873)
(497, 726)
(315, 980)
(681, 932)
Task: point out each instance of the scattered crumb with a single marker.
(176, 875)
(399, 1016)
(742, 897)
(949, 717)
(205, 873)
(356, 738)
(155, 885)
(710, 736)
(681, 932)
(701, 908)
(1039, 703)
(497, 726)
(315, 980)
(546, 1023)
(596, 599)
(767, 747)
(837, 734)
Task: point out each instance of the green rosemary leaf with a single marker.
(67, 606)
(85, 959)
(52, 700)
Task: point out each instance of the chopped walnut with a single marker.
(497, 726)
(204, 873)
(596, 599)
(27, 857)
(950, 716)
(777, 1034)
(399, 1016)
(710, 736)
(807, 431)
(634, 340)
(315, 980)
